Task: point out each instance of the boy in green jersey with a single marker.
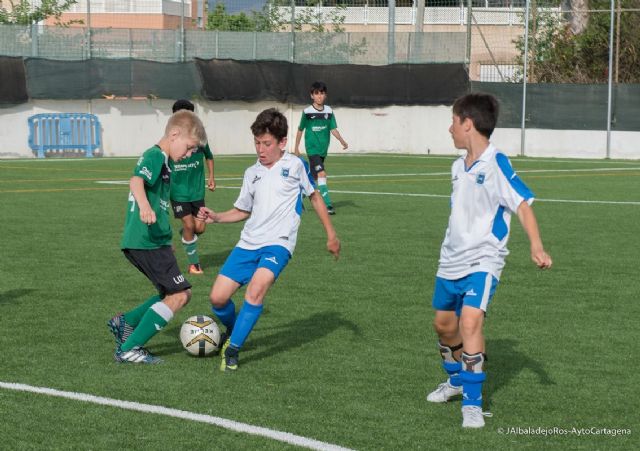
(187, 194)
(146, 241)
(318, 123)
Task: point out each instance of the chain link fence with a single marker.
(505, 44)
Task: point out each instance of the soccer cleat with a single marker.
(229, 357)
(135, 355)
(119, 328)
(473, 417)
(444, 392)
(195, 269)
(331, 210)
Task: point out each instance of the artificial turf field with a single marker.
(344, 352)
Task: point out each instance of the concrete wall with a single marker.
(131, 126)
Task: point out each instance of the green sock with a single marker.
(134, 316)
(324, 191)
(156, 317)
(191, 248)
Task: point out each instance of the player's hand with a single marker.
(206, 214)
(211, 184)
(541, 258)
(345, 146)
(333, 246)
(147, 215)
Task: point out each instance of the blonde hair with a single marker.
(187, 121)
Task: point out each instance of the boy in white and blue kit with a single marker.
(271, 201)
(486, 192)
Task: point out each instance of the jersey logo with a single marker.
(146, 172)
(480, 178)
(255, 179)
(285, 172)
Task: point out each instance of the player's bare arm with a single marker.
(333, 243)
(336, 133)
(136, 185)
(530, 225)
(234, 215)
(296, 149)
(211, 182)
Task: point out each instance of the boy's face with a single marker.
(318, 97)
(181, 144)
(269, 149)
(459, 131)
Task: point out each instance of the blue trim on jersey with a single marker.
(499, 228)
(299, 204)
(515, 181)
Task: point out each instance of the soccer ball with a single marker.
(200, 335)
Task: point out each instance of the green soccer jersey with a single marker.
(187, 176)
(317, 126)
(153, 168)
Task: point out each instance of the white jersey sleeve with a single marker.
(247, 192)
(510, 189)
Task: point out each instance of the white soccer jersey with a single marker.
(482, 200)
(274, 198)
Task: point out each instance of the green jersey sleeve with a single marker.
(208, 155)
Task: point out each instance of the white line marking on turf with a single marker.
(285, 437)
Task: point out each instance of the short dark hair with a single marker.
(270, 121)
(183, 104)
(481, 108)
(318, 86)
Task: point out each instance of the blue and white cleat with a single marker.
(135, 355)
(119, 328)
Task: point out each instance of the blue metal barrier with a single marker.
(64, 132)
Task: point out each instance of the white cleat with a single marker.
(444, 392)
(473, 417)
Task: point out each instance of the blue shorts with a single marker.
(241, 264)
(475, 290)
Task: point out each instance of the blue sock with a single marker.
(472, 388)
(226, 315)
(453, 370)
(247, 318)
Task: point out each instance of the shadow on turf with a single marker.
(13, 295)
(298, 333)
(505, 362)
(291, 335)
(214, 260)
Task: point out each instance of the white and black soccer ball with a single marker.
(200, 335)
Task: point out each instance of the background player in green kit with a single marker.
(146, 241)
(187, 194)
(318, 123)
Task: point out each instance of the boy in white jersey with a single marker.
(486, 191)
(271, 201)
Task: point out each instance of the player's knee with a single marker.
(185, 297)
(217, 300)
(445, 328)
(470, 326)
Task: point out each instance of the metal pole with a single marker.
(524, 78)
(182, 31)
(419, 16)
(391, 36)
(609, 96)
(293, 31)
(469, 16)
(89, 28)
(419, 33)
